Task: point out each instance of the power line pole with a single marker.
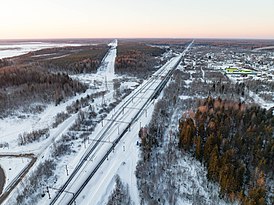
(48, 192)
(67, 170)
(106, 83)
(103, 99)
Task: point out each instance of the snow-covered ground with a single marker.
(11, 127)
(261, 101)
(20, 123)
(125, 156)
(240, 79)
(12, 167)
(101, 183)
(106, 70)
(16, 49)
(263, 48)
(191, 175)
(130, 109)
(122, 162)
(257, 99)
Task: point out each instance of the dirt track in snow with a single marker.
(2, 180)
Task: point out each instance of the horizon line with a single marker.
(106, 38)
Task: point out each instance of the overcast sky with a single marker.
(136, 18)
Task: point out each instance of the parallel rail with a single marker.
(83, 160)
(154, 95)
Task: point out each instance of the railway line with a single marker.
(139, 99)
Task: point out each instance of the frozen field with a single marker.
(15, 49)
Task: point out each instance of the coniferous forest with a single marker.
(137, 59)
(235, 142)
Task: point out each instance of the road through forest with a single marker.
(2, 180)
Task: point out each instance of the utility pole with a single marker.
(48, 192)
(63, 191)
(67, 170)
(103, 99)
(74, 200)
(106, 83)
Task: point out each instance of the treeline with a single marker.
(137, 59)
(37, 178)
(84, 60)
(34, 187)
(236, 144)
(244, 44)
(4, 62)
(22, 86)
(34, 136)
(153, 135)
(120, 194)
(260, 86)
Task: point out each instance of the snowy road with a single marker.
(115, 126)
(106, 69)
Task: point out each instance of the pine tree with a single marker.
(198, 148)
(209, 145)
(213, 164)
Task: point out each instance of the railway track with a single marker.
(165, 72)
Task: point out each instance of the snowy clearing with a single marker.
(12, 167)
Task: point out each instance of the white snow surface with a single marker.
(260, 101)
(107, 66)
(123, 162)
(16, 49)
(101, 184)
(14, 125)
(100, 181)
(11, 127)
(263, 48)
(256, 98)
(12, 167)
